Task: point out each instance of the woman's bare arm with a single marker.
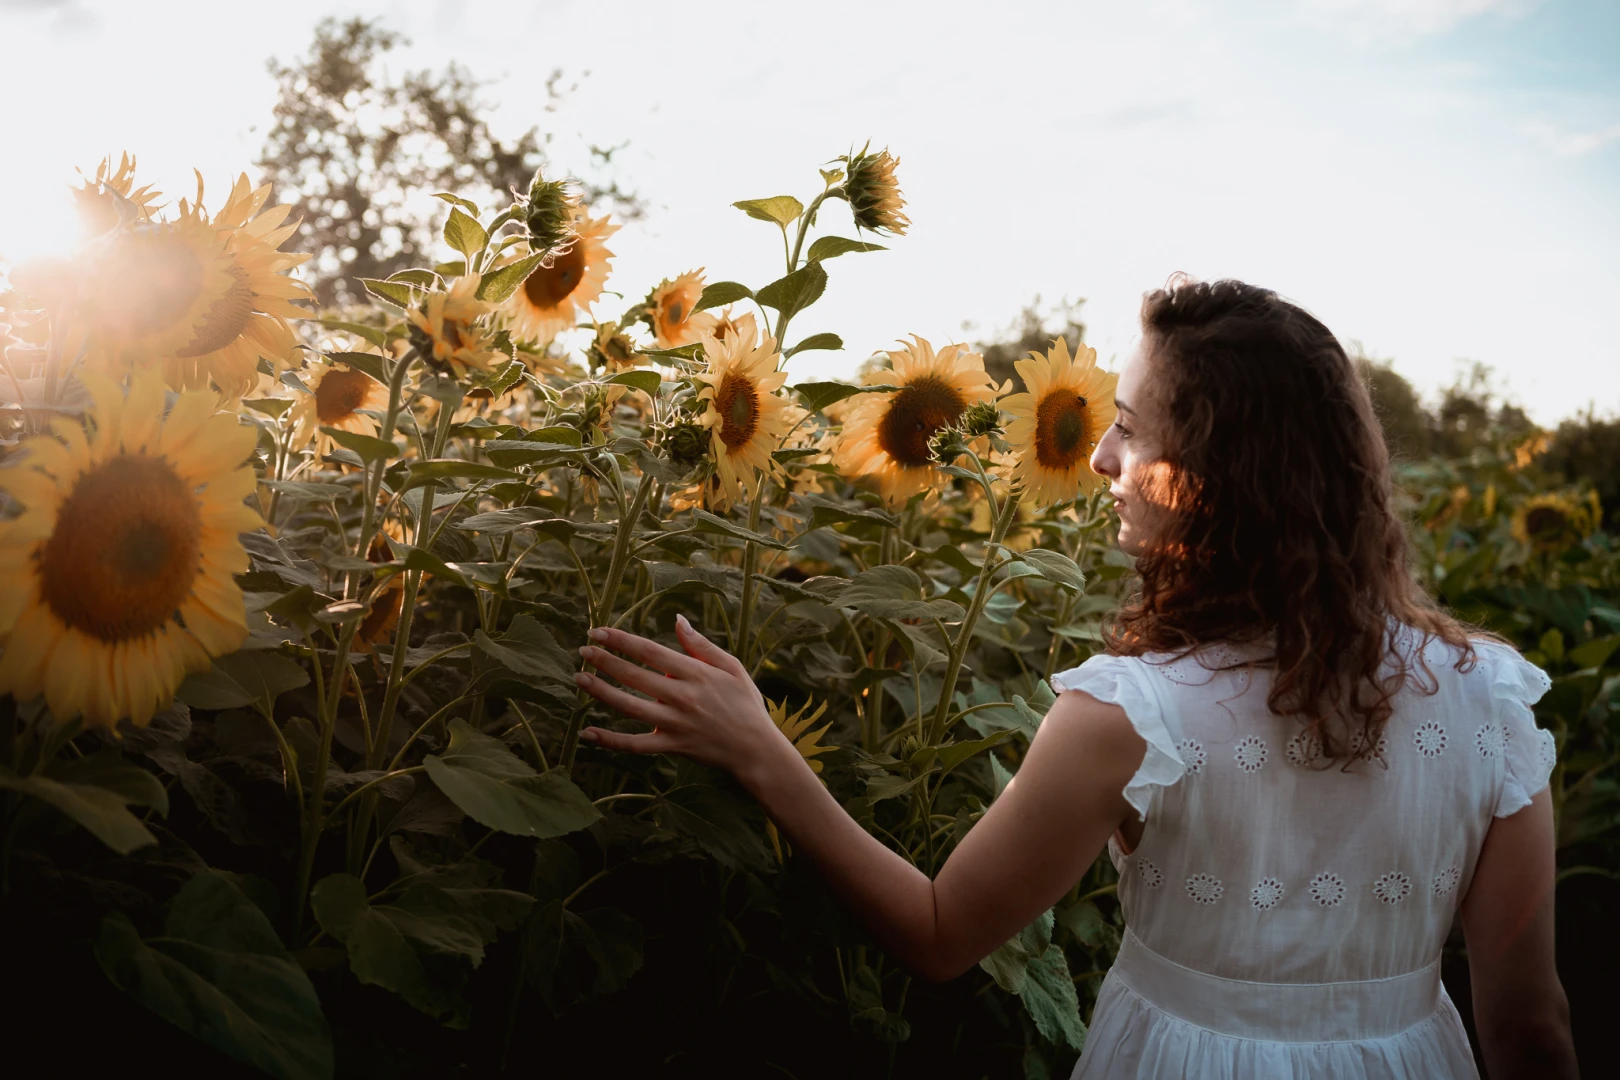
(1520, 1010)
(1030, 847)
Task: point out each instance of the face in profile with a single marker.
(1130, 456)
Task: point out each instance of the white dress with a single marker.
(1284, 920)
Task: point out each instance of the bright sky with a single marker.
(1435, 179)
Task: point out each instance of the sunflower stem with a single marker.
(964, 636)
(750, 592)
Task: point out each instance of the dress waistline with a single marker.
(1280, 1012)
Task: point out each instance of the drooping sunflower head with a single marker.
(887, 435)
(1058, 421)
(613, 351)
(873, 193)
(1552, 522)
(111, 199)
(116, 580)
(550, 213)
(339, 397)
(449, 330)
(554, 297)
(746, 417)
(674, 322)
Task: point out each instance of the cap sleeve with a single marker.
(1528, 752)
(1115, 680)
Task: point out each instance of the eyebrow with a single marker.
(1122, 407)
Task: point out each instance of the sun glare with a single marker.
(36, 216)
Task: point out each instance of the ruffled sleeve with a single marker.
(1115, 680)
(1528, 752)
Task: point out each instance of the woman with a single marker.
(1301, 767)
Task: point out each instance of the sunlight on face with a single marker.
(1130, 456)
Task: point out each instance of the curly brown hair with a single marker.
(1286, 529)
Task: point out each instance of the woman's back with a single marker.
(1335, 886)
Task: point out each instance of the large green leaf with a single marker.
(570, 954)
(431, 472)
(827, 342)
(828, 247)
(1056, 567)
(816, 396)
(705, 522)
(465, 234)
(497, 285)
(781, 210)
(379, 952)
(526, 652)
(96, 793)
(369, 447)
(219, 972)
(392, 292)
(720, 824)
(500, 791)
(894, 592)
(796, 291)
(643, 379)
(1049, 998)
(722, 292)
(253, 677)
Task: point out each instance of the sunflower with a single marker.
(378, 623)
(613, 351)
(1070, 403)
(674, 322)
(553, 297)
(98, 201)
(1550, 522)
(727, 325)
(337, 394)
(445, 329)
(116, 580)
(794, 729)
(745, 416)
(873, 193)
(886, 435)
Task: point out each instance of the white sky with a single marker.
(1435, 179)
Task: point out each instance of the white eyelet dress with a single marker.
(1285, 919)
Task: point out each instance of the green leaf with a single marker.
(816, 396)
(253, 677)
(503, 522)
(456, 200)
(96, 797)
(1594, 653)
(422, 279)
(1086, 923)
(825, 511)
(370, 363)
(1056, 567)
(368, 447)
(1552, 643)
(1049, 998)
(894, 592)
(528, 652)
(829, 247)
(272, 406)
(371, 334)
(379, 954)
(714, 525)
(953, 754)
(781, 210)
(500, 791)
(672, 578)
(719, 823)
(391, 292)
(431, 472)
(568, 952)
(465, 234)
(220, 973)
(643, 379)
(562, 435)
(499, 284)
(815, 342)
(722, 292)
(795, 292)
(424, 561)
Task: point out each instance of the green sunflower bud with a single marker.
(946, 445)
(687, 444)
(549, 214)
(981, 418)
(873, 194)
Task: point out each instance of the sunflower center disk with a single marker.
(340, 393)
(1545, 523)
(737, 401)
(1061, 439)
(915, 412)
(125, 551)
(550, 285)
(146, 283)
(227, 317)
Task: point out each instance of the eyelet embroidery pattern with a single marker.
(1430, 739)
(1546, 751)
(1304, 749)
(1204, 888)
(1250, 753)
(1361, 752)
(1192, 754)
(1489, 741)
(1152, 876)
(1327, 889)
(1446, 881)
(1266, 894)
(1392, 887)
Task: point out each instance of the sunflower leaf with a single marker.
(370, 363)
(249, 677)
(95, 793)
(359, 330)
(705, 522)
(794, 292)
(390, 292)
(500, 791)
(816, 396)
(456, 200)
(723, 292)
(828, 342)
(499, 284)
(416, 275)
(273, 406)
(1056, 567)
(465, 234)
(781, 210)
(830, 247)
(430, 472)
(369, 447)
(645, 380)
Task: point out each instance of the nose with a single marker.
(1105, 459)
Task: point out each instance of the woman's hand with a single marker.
(701, 704)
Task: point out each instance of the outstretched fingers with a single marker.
(652, 683)
(706, 650)
(651, 742)
(636, 708)
(646, 652)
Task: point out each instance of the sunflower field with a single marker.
(290, 604)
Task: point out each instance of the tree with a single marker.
(359, 153)
(1032, 331)
(1408, 426)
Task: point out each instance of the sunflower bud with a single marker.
(981, 418)
(687, 444)
(946, 445)
(613, 350)
(549, 214)
(873, 194)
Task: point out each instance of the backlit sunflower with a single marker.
(745, 416)
(337, 394)
(98, 201)
(445, 329)
(116, 580)
(553, 298)
(613, 351)
(1057, 423)
(886, 434)
(673, 320)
